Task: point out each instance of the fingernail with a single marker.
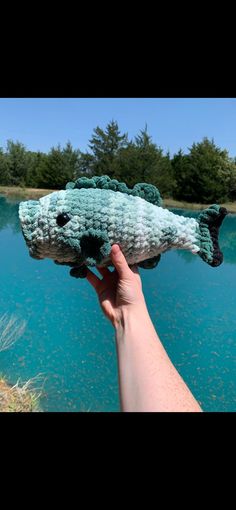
(115, 249)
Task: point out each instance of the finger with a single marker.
(104, 271)
(134, 269)
(94, 280)
(119, 261)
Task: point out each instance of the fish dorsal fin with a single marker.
(148, 192)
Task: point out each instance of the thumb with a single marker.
(120, 262)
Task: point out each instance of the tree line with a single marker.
(205, 174)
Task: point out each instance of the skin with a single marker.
(148, 381)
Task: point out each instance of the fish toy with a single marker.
(77, 226)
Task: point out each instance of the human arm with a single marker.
(148, 381)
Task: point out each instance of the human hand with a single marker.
(119, 289)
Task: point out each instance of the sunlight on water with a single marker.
(68, 340)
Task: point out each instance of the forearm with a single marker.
(148, 380)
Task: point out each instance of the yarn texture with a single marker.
(77, 226)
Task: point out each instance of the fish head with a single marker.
(52, 228)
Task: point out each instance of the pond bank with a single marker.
(170, 202)
(17, 398)
(24, 193)
(36, 193)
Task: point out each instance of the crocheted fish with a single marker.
(77, 226)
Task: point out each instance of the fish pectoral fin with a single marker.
(150, 263)
(95, 246)
(79, 271)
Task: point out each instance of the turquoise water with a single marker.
(67, 339)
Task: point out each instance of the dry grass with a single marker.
(20, 398)
(11, 329)
(169, 202)
(24, 193)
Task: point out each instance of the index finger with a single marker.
(119, 261)
(93, 280)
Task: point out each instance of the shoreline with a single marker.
(27, 193)
(177, 204)
(31, 193)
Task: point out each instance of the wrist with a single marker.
(130, 317)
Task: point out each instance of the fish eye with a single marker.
(62, 219)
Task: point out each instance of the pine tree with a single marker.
(85, 164)
(4, 170)
(143, 161)
(52, 173)
(16, 159)
(36, 169)
(60, 167)
(70, 158)
(184, 182)
(207, 174)
(105, 146)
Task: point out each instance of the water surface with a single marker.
(68, 340)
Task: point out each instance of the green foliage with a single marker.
(206, 174)
(143, 161)
(184, 183)
(35, 170)
(59, 167)
(17, 162)
(105, 147)
(4, 173)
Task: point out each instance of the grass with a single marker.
(19, 398)
(35, 193)
(170, 202)
(24, 193)
(11, 328)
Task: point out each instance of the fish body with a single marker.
(78, 226)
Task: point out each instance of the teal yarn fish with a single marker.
(77, 226)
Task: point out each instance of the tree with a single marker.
(148, 155)
(70, 159)
(36, 169)
(143, 161)
(184, 180)
(52, 172)
(128, 167)
(164, 176)
(85, 164)
(204, 175)
(4, 170)
(232, 182)
(105, 146)
(59, 168)
(16, 158)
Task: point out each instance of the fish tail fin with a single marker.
(210, 220)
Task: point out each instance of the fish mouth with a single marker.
(36, 232)
(29, 213)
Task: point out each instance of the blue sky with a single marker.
(173, 123)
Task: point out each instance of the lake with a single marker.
(70, 343)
